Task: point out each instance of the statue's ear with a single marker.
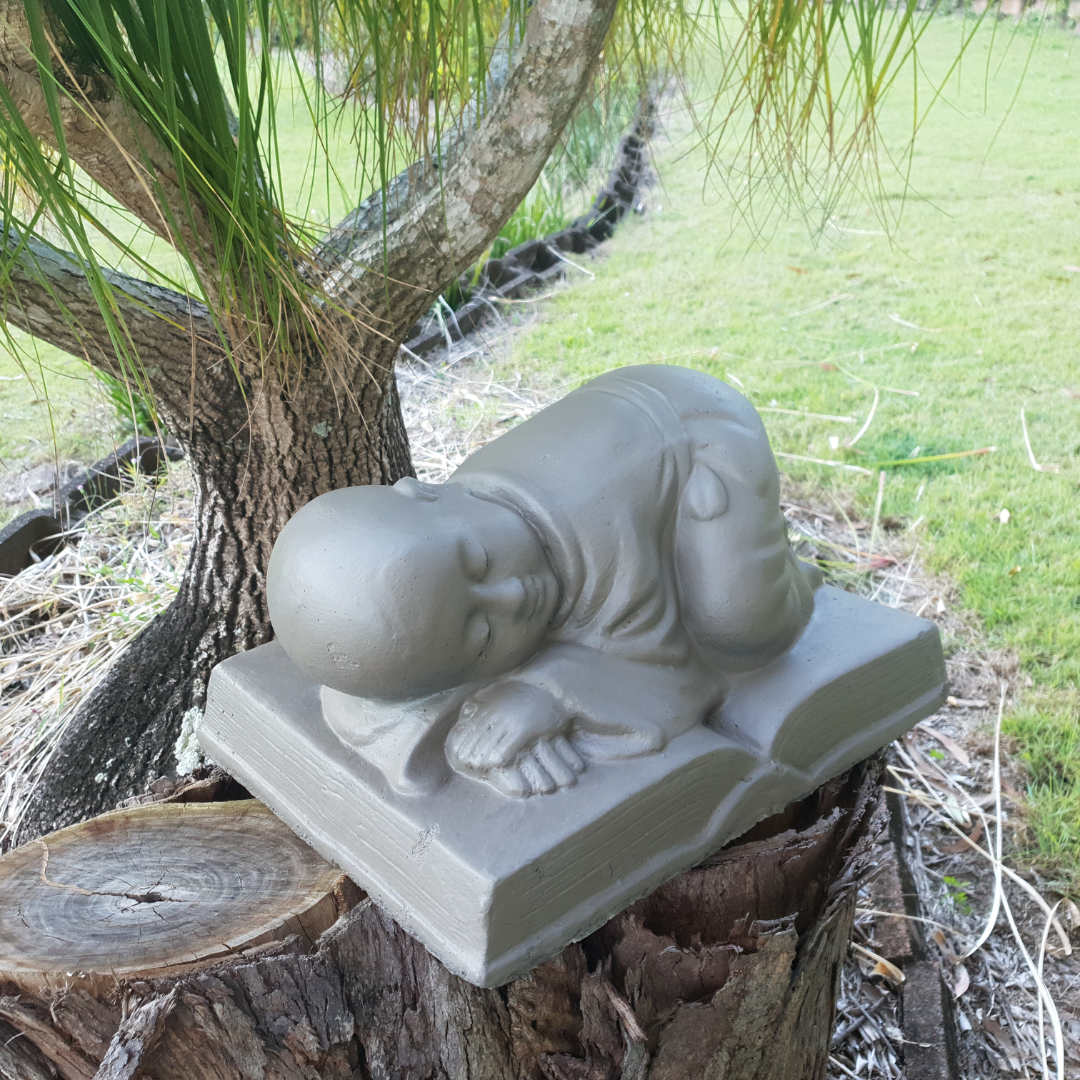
(417, 489)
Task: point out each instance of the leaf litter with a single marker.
(65, 619)
(1006, 940)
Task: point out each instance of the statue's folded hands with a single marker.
(535, 731)
(513, 735)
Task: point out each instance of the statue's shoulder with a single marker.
(675, 383)
(689, 394)
(611, 409)
(666, 378)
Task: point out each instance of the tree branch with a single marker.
(104, 137)
(46, 294)
(387, 206)
(447, 229)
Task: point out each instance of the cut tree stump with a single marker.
(190, 941)
(156, 890)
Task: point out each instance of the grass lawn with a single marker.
(972, 304)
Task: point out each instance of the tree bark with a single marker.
(730, 970)
(266, 433)
(446, 230)
(103, 134)
(258, 451)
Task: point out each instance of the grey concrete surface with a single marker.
(513, 703)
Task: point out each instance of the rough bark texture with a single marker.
(445, 231)
(102, 134)
(256, 458)
(730, 970)
(263, 434)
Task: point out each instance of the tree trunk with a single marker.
(257, 452)
(730, 970)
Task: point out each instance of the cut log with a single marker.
(729, 970)
(156, 890)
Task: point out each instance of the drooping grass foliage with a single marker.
(542, 213)
(135, 414)
(203, 81)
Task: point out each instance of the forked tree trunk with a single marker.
(728, 971)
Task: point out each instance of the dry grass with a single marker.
(66, 619)
(867, 1040)
(452, 404)
(1007, 952)
(1014, 975)
(986, 923)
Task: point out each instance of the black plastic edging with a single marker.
(37, 534)
(533, 264)
(927, 1019)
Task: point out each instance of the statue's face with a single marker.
(400, 592)
(491, 591)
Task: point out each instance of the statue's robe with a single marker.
(656, 495)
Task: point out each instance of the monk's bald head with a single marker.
(396, 592)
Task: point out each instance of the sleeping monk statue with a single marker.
(510, 704)
(591, 578)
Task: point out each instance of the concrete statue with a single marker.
(510, 704)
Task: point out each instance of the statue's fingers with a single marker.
(510, 781)
(538, 777)
(496, 748)
(565, 749)
(474, 719)
(462, 743)
(480, 740)
(454, 749)
(554, 765)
